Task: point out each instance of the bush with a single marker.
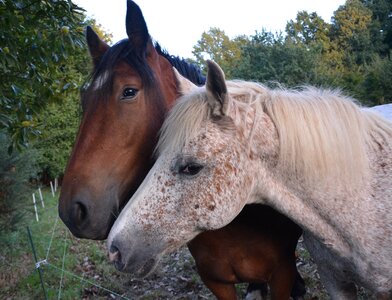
(60, 122)
(16, 171)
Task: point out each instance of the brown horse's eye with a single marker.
(129, 93)
(190, 169)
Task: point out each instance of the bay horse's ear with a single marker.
(96, 46)
(136, 27)
(218, 97)
(184, 85)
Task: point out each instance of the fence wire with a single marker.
(46, 262)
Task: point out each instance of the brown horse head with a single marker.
(132, 87)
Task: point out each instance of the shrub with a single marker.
(16, 171)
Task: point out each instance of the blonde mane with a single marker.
(323, 135)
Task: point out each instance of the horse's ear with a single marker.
(184, 85)
(218, 97)
(136, 27)
(96, 46)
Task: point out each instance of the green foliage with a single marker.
(350, 32)
(377, 85)
(60, 122)
(37, 42)
(15, 172)
(217, 46)
(268, 58)
(352, 53)
(381, 26)
(309, 29)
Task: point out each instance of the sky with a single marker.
(178, 24)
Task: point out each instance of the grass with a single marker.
(82, 258)
(20, 279)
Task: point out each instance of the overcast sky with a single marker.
(178, 24)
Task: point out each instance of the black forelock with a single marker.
(124, 51)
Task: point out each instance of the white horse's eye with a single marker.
(190, 169)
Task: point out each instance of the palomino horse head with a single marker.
(188, 189)
(132, 88)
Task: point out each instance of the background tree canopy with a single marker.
(352, 53)
(40, 43)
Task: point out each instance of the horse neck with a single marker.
(290, 197)
(277, 188)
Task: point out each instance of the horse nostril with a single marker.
(115, 257)
(114, 254)
(80, 213)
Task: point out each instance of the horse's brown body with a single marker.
(114, 151)
(257, 247)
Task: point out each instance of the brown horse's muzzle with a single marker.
(85, 216)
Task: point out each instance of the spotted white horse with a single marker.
(313, 155)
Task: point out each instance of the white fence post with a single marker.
(40, 196)
(35, 208)
(52, 188)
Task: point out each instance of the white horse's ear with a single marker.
(218, 97)
(184, 85)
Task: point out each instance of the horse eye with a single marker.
(129, 93)
(190, 169)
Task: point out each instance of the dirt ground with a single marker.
(176, 278)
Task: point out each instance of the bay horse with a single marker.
(258, 246)
(132, 88)
(313, 155)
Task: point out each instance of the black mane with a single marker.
(186, 69)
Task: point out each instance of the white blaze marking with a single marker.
(101, 80)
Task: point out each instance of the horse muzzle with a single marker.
(127, 259)
(85, 219)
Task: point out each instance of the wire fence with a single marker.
(46, 262)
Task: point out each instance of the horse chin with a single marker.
(147, 268)
(140, 270)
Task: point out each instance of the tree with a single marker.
(309, 29)
(217, 46)
(377, 86)
(381, 27)
(350, 31)
(60, 123)
(37, 41)
(16, 170)
(269, 58)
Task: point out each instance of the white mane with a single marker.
(322, 134)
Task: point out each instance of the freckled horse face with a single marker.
(188, 193)
(123, 109)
